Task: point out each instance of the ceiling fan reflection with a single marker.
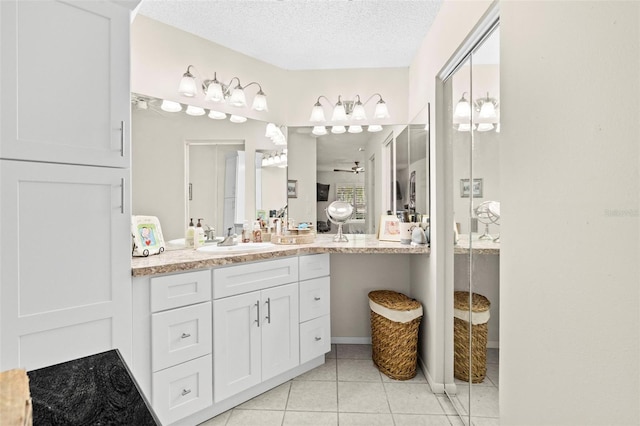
(355, 169)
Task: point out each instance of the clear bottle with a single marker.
(257, 233)
(246, 232)
(189, 235)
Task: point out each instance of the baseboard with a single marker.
(436, 387)
(351, 340)
(493, 344)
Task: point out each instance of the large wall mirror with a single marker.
(197, 167)
(378, 172)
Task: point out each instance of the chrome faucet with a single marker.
(229, 240)
(209, 232)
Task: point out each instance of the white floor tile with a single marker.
(361, 397)
(420, 420)
(365, 419)
(274, 399)
(358, 370)
(255, 418)
(484, 400)
(306, 418)
(354, 351)
(325, 372)
(313, 396)
(493, 355)
(493, 373)
(219, 420)
(446, 404)
(412, 398)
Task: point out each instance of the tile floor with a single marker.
(349, 390)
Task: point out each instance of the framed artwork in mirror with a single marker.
(466, 188)
(292, 188)
(389, 229)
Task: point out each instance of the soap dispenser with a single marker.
(189, 235)
(199, 235)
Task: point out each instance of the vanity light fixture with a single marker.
(275, 160)
(348, 110)
(216, 91)
(276, 134)
(483, 112)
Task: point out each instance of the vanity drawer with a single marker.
(238, 279)
(314, 298)
(180, 335)
(315, 338)
(183, 390)
(314, 266)
(174, 291)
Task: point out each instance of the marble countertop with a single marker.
(477, 245)
(186, 259)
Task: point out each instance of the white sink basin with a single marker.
(179, 243)
(240, 248)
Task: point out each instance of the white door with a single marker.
(236, 344)
(65, 280)
(64, 82)
(280, 330)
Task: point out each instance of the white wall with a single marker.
(570, 339)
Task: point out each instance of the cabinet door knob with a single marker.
(318, 339)
(316, 298)
(185, 335)
(186, 392)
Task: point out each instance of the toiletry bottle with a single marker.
(200, 233)
(257, 233)
(245, 232)
(188, 236)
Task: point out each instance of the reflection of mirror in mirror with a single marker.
(271, 178)
(160, 165)
(346, 170)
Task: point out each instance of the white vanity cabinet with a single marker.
(255, 324)
(181, 344)
(315, 322)
(64, 82)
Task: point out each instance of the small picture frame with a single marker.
(465, 188)
(292, 189)
(146, 234)
(389, 229)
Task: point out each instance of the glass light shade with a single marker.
(217, 115)
(283, 159)
(194, 110)
(488, 111)
(214, 92)
(463, 109)
(270, 161)
(237, 119)
(374, 128)
(238, 98)
(498, 128)
(338, 130)
(188, 85)
(484, 127)
(355, 129)
(279, 139)
(260, 103)
(465, 127)
(381, 110)
(317, 114)
(339, 113)
(264, 161)
(170, 106)
(358, 113)
(271, 130)
(276, 160)
(319, 130)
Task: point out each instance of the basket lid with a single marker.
(479, 303)
(393, 300)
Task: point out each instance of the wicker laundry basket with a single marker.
(479, 330)
(395, 319)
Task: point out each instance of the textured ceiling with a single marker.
(306, 34)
